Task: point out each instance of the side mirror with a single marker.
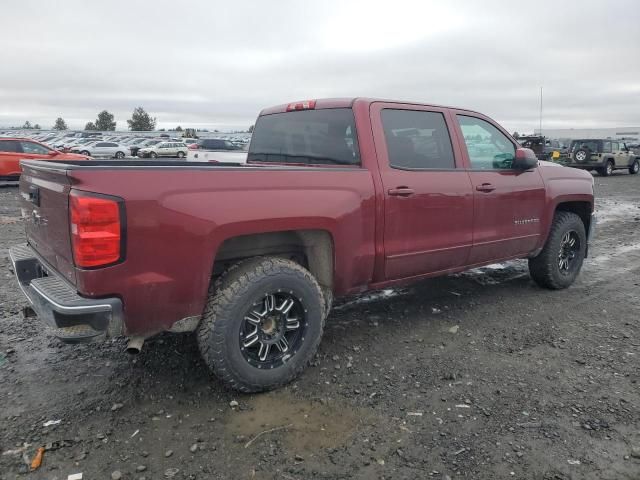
(525, 159)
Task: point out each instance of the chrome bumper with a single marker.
(73, 318)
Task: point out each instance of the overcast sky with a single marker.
(216, 64)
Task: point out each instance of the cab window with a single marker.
(34, 148)
(10, 146)
(488, 147)
(417, 139)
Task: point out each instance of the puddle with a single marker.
(4, 220)
(313, 426)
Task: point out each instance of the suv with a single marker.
(543, 148)
(602, 155)
(164, 149)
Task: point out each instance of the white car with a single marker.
(164, 149)
(104, 149)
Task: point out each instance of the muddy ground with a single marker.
(481, 375)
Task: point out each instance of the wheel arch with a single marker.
(311, 248)
(580, 208)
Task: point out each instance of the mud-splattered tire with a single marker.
(567, 242)
(222, 337)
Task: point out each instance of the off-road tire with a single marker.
(229, 299)
(582, 155)
(544, 268)
(634, 168)
(607, 170)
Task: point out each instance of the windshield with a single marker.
(324, 136)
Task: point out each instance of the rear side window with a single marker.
(10, 146)
(312, 137)
(417, 139)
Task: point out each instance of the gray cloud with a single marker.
(216, 64)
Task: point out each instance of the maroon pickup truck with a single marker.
(338, 196)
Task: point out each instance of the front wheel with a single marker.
(85, 152)
(634, 168)
(607, 170)
(119, 155)
(153, 155)
(262, 324)
(560, 261)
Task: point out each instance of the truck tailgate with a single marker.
(45, 206)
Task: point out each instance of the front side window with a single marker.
(417, 139)
(34, 148)
(606, 147)
(488, 147)
(312, 137)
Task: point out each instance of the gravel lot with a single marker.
(480, 375)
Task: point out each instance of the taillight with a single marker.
(96, 229)
(305, 105)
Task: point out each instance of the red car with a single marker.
(338, 196)
(12, 150)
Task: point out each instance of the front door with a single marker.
(508, 203)
(428, 201)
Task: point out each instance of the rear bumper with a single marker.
(73, 318)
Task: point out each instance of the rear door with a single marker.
(10, 155)
(428, 200)
(508, 203)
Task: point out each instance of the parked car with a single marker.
(217, 151)
(103, 149)
(164, 149)
(603, 156)
(338, 197)
(146, 143)
(77, 144)
(12, 150)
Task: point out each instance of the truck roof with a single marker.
(348, 102)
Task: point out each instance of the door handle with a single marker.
(401, 192)
(485, 187)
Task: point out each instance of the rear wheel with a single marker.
(262, 324)
(560, 261)
(180, 154)
(634, 168)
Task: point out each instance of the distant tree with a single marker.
(90, 126)
(516, 135)
(178, 128)
(60, 124)
(37, 126)
(105, 121)
(141, 121)
(161, 130)
(250, 129)
(27, 124)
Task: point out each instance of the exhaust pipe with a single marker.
(135, 345)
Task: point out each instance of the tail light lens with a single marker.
(96, 229)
